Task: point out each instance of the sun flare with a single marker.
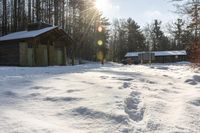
(101, 4)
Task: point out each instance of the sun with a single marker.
(101, 4)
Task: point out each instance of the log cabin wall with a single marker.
(32, 53)
(41, 55)
(9, 54)
(52, 57)
(60, 52)
(23, 48)
(57, 56)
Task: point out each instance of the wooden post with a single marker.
(48, 55)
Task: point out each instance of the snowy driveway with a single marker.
(95, 99)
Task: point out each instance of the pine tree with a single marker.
(192, 9)
(136, 40)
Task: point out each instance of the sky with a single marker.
(142, 11)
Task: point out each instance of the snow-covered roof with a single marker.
(167, 53)
(158, 53)
(26, 34)
(132, 54)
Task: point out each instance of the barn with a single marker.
(40, 45)
(157, 56)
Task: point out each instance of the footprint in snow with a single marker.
(163, 68)
(148, 81)
(165, 76)
(72, 91)
(191, 82)
(196, 102)
(196, 78)
(58, 78)
(40, 88)
(125, 79)
(10, 94)
(88, 83)
(109, 87)
(34, 95)
(61, 99)
(194, 81)
(133, 107)
(94, 114)
(104, 77)
(150, 89)
(170, 83)
(125, 85)
(169, 91)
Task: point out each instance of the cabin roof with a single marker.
(167, 53)
(26, 34)
(158, 53)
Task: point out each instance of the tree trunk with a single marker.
(15, 16)
(55, 12)
(38, 11)
(29, 11)
(4, 20)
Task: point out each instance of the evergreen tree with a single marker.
(177, 32)
(136, 40)
(126, 37)
(191, 8)
(155, 38)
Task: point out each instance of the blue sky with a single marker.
(142, 11)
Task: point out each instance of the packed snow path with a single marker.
(95, 99)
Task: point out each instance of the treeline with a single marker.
(191, 9)
(184, 33)
(127, 36)
(79, 18)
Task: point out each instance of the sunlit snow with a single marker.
(90, 98)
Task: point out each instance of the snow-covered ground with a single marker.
(94, 99)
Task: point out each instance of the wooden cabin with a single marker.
(39, 45)
(157, 56)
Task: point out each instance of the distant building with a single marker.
(157, 56)
(40, 45)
